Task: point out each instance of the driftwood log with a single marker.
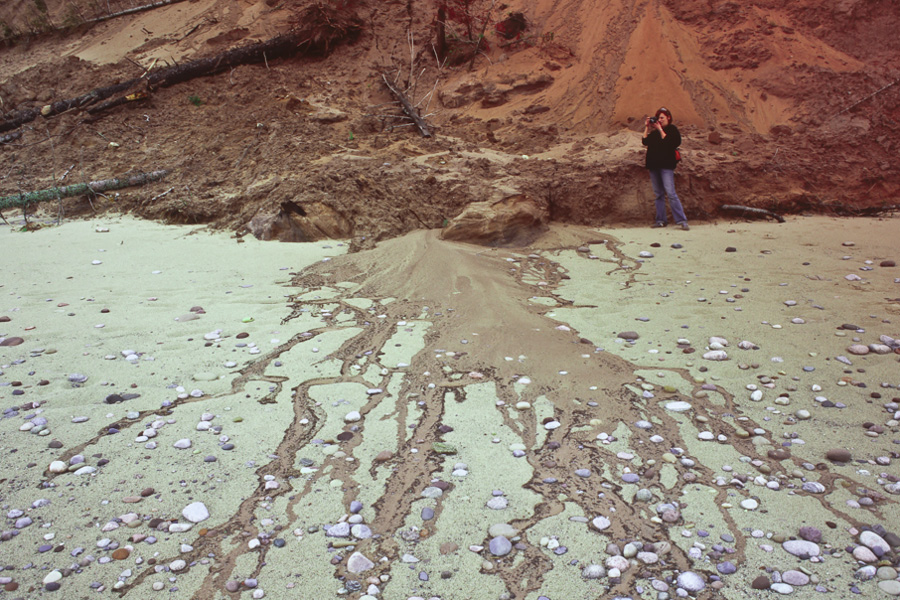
(278, 47)
(749, 210)
(24, 199)
(408, 109)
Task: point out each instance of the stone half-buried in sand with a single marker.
(514, 221)
(293, 222)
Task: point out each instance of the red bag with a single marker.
(677, 156)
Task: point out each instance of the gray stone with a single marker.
(801, 548)
(690, 581)
(794, 577)
(340, 530)
(357, 563)
(361, 532)
(726, 568)
(813, 487)
(593, 572)
(872, 540)
(891, 587)
(500, 546)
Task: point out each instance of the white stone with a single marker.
(195, 512)
(52, 576)
(872, 540)
(357, 563)
(177, 565)
(690, 581)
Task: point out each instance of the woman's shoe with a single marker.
(685, 226)
(659, 224)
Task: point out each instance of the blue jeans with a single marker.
(663, 181)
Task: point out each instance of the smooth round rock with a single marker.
(891, 587)
(195, 512)
(794, 577)
(690, 581)
(838, 455)
(801, 548)
(872, 540)
(726, 568)
(500, 546)
(863, 554)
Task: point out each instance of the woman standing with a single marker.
(662, 139)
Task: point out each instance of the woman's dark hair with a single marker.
(665, 111)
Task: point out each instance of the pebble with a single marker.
(195, 512)
(890, 587)
(795, 578)
(500, 546)
(781, 588)
(593, 571)
(178, 565)
(726, 568)
(838, 455)
(357, 563)
(690, 581)
(801, 548)
(875, 542)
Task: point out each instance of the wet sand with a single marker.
(397, 405)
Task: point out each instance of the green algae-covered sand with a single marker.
(607, 413)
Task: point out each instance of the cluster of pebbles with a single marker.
(649, 541)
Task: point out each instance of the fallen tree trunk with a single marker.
(281, 46)
(105, 185)
(750, 210)
(408, 108)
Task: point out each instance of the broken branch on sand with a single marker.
(753, 211)
(105, 185)
(408, 108)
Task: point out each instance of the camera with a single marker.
(653, 120)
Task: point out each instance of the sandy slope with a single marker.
(760, 92)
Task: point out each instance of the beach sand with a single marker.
(434, 419)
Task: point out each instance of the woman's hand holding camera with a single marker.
(652, 123)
